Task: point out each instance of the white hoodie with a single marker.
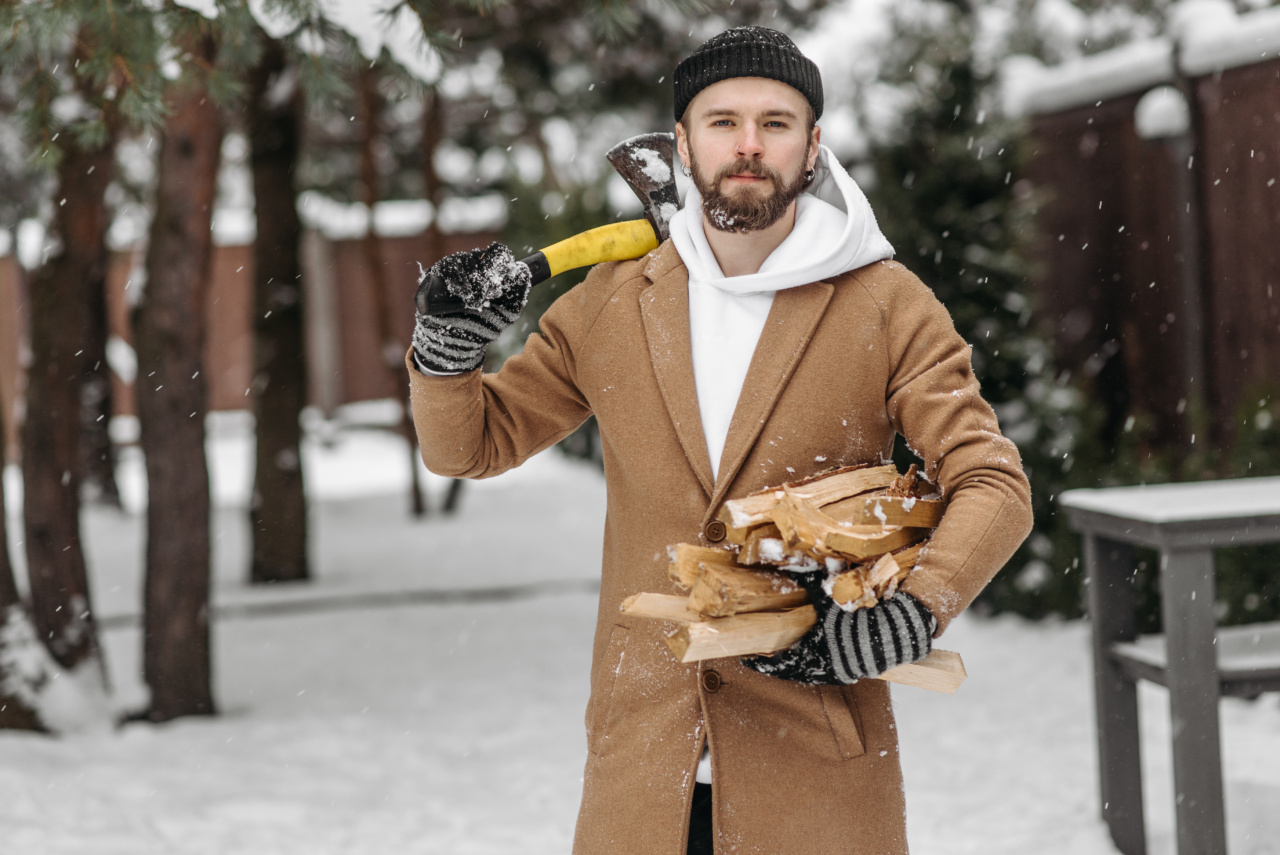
(835, 231)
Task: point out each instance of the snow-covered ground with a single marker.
(420, 720)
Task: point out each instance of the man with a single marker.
(771, 338)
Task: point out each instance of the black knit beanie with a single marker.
(747, 52)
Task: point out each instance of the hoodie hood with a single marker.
(835, 232)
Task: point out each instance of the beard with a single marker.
(747, 209)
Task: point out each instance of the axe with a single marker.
(646, 163)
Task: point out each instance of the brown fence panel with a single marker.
(1241, 195)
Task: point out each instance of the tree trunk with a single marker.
(370, 106)
(15, 713)
(432, 134)
(97, 450)
(278, 514)
(51, 460)
(169, 330)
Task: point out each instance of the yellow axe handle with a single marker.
(614, 242)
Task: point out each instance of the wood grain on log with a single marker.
(886, 510)
(720, 590)
(854, 588)
(858, 544)
(660, 607)
(940, 671)
(769, 632)
(750, 551)
(820, 490)
(686, 558)
(741, 635)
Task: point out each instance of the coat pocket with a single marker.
(602, 694)
(842, 715)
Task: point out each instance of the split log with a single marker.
(805, 528)
(866, 544)
(908, 558)
(886, 510)
(720, 590)
(769, 632)
(885, 575)
(878, 580)
(854, 587)
(660, 607)
(774, 551)
(742, 514)
(750, 551)
(940, 671)
(741, 635)
(686, 559)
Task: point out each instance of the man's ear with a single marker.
(813, 146)
(682, 144)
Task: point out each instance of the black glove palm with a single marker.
(492, 285)
(843, 647)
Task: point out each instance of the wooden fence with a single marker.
(1112, 248)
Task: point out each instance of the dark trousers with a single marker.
(700, 837)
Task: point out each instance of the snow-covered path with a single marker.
(456, 727)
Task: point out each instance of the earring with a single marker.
(809, 175)
(688, 173)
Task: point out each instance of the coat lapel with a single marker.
(792, 319)
(664, 306)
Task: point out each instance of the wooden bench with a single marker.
(1194, 660)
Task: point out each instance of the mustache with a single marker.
(748, 166)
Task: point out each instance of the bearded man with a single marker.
(769, 339)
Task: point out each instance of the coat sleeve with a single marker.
(476, 425)
(934, 402)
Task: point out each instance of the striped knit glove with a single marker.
(492, 286)
(843, 647)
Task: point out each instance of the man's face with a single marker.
(748, 145)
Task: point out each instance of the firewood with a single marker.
(886, 510)
(909, 483)
(885, 573)
(750, 551)
(807, 529)
(803, 526)
(821, 489)
(667, 607)
(856, 543)
(772, 551)
(940, 671)
(741, 635)
(686, 557)
(720, 590)
(907, 557)
(769, 632)
(879, 579)
(866, 526)
(854, 588)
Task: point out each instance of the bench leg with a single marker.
(1189, 625)
(1113, 609)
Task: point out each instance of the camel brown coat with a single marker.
(841, 365)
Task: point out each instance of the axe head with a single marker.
(647, 163)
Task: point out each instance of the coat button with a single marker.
(711, 681)
(715, 531)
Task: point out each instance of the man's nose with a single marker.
(749, 143)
